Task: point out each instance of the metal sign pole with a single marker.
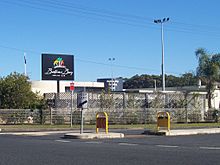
(71, 115)
(82, 101)
(58, 86)
(81, 126)
(71, 111)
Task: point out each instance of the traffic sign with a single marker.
(82, 100)
(72, 87)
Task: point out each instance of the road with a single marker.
(152, 150)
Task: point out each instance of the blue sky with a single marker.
(96, 30)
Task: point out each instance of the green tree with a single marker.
(147, 81)
(15, 93)
(208, 70)
(188, 79)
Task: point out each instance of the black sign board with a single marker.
(57, 67)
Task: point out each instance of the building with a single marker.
(51, 86)
(115, 84)
(189, 89)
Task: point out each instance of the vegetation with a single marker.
(208, 70)
(15, 93)
(106, 100)
(147, 81)
(39, 127)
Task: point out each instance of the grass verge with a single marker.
(33, 127)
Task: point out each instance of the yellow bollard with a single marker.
(163, 120)
(102, 121)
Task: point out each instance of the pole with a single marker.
(111, 60)
(162, 66)
(25, 65)
(71, 115)
(58, 94)
(81, 126)
(161, 22)
(58, 86)
(51, 116)
(112, 75)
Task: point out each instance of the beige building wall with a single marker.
(51, 86)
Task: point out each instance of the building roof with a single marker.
(200, 89)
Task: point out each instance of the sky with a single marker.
(96, 30)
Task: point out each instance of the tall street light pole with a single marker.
(161, 22)
(25, 65)
(111, 60)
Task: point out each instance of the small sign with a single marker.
(82, 100)
(72, 87)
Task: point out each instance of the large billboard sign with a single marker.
(57, 67)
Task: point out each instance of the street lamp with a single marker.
(161, 22)
(111, 60)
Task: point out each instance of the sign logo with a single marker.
(59, 62)
(57, 67)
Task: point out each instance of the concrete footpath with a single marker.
(93, 135)
(68, 134)
(179, 132)
(114, 133)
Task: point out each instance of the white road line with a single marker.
(127, 144)
(63, 141)
(210, 148)
(167, 146)
(26, 133)
(93, 142)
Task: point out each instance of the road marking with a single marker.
(26, 133)
(167, 146)
(210, 148)
(93, 142)
(63, 141)
(127, 144)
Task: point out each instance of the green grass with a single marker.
(173, 126)
(131, 126)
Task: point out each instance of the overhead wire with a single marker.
(69, 8)
(124, 18)
(114, 17)
(51, 7)
(90, 61)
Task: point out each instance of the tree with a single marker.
(15, 93)
(147, 81)
(188, 79)
(208, 70)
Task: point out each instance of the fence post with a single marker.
(124, 101)
(167, 97)
(146, 108)
(186, 105)
(51, 116)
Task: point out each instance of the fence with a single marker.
(20, 116)
(122, 108)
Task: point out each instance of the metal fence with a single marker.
(20, 116)
(122, 108)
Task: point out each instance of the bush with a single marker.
(59, 119)
(215, 115)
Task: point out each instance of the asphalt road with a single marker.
(152, 150)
